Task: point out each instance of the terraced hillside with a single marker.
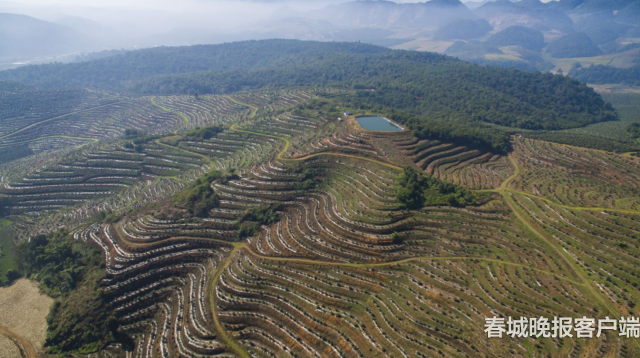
(462, 165)
(577, 177)
(72, 178)
(306, 250)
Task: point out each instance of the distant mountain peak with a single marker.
(26, 36)
(445, 2)
(386, 14)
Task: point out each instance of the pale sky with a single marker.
(173, 4)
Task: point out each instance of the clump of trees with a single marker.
(204, 133)
(137, 139)
(80, 320)
(132, 133)
(200, 197)
(252, 218)
(263, 214)
(106, 217)
(58, 263)
(308, 179)
(416, 191)
(3, 207)
(14, 152)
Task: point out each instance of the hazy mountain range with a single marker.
(527, 34)
(23, 36)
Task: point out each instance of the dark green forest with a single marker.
(416, 191)
(601, 74)
(431, 85)
(8, 154)
(251, 220)
(200, 197)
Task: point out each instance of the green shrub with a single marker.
(204, 133)
(201, 198)
(263, 214)
(252, 218)
(416, 191)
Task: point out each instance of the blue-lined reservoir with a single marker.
(376, 123)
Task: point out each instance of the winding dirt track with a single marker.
(27, 350)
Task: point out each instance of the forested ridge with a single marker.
(440, 90)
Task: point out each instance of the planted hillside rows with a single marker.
(115, 171)
(28, 106)
(578, 177)
(465, 166)
(307, 251)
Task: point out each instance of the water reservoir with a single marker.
(371, 123)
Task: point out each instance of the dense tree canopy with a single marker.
(201, 198)
(416, 191)
(601, 74)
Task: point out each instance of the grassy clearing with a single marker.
(29, 309)
(8, 349)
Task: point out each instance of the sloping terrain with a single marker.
(307, 251)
